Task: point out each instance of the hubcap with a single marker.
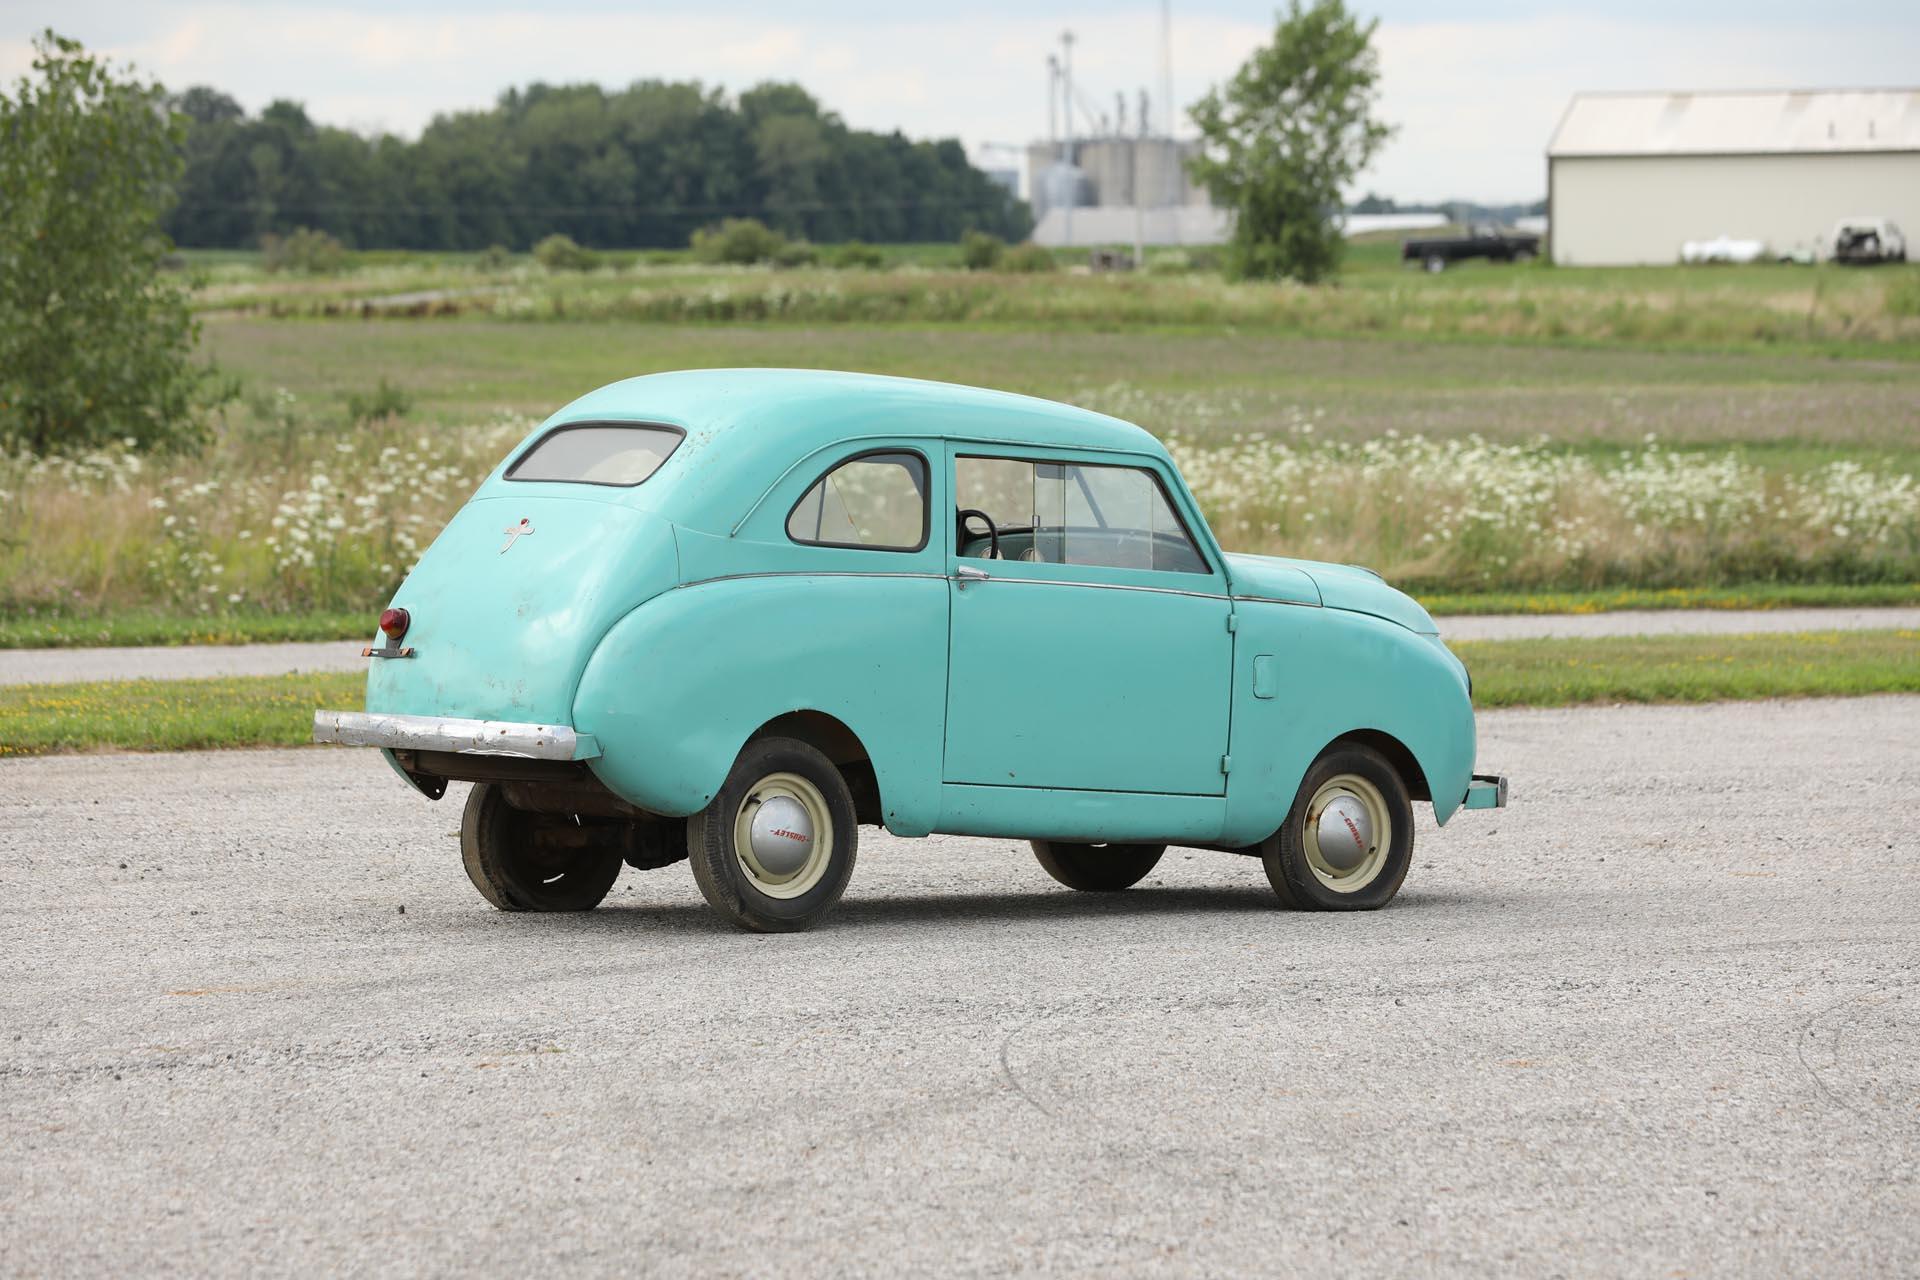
(1345, 833)
(1348, 833)
(783, 835)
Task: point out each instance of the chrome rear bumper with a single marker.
(1487, 791)
(437, 733)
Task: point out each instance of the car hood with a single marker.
(1336, 586)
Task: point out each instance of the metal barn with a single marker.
(1632, 176)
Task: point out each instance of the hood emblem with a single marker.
(515, 532)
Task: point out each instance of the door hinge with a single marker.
(1226, 764)
(1231, 624)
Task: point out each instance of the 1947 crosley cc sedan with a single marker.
(732, 615)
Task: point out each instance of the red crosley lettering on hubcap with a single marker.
(791, 835)
(1358, 843)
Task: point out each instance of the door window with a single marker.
(877, 501)
(1072, 513)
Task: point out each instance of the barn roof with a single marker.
(1758, 122)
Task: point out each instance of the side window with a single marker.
(878, 501)
(1073, 513)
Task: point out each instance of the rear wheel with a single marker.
(525, 861)
(775, 849)
(1435, 263)
(1348, 840)
(1097, 868)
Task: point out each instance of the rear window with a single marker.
(603, 454)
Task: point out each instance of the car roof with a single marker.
(747, 428)
(798, 410)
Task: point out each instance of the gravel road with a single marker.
(1662, 1017)
(40, 666)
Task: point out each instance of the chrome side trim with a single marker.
(806, 573)
(440, 733)
(1097, 586)
(1298, 604)
(941, 577)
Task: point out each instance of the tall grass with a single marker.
(284, 520)
(288, 523)
(1465, 514)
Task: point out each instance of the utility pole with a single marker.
(1171, 113)
(1066, 77)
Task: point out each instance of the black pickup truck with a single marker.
(1481, 241)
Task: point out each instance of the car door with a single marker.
(1093, 653)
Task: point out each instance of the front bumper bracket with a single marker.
(1487, 791)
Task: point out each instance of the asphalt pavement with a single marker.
(41, 666)
(1657, 1018)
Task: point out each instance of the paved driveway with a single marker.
(1659, 1018)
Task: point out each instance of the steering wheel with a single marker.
(993, 533)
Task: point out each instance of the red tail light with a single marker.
(395, 623)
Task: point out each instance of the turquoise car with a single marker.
(731, 616)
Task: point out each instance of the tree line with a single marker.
(644, 166)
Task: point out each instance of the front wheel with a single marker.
(525, 861)
(1348, 840)
(774, 850)
(1097, 868)
(1435, 264)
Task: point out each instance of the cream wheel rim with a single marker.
(783, 835)
(1347, 833)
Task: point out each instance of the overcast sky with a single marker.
(1474, 86)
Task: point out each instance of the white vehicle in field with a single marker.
(1723, 249)
(1868, 240)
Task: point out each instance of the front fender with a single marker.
(678, 685)
(1334, 673)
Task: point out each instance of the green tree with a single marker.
(1293, 127)
(95, 343)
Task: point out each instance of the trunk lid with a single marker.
(510, 601)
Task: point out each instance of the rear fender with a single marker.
(679, 685)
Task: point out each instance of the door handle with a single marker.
(963, 575)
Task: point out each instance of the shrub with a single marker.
(796, 253)
(1028, 259)
(857, 255)
(738, 240)
(309, 252)
(384, 401)
(980, 251)
(494, 258)
(96, 345)
(560, 253)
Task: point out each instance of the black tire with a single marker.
(1286, 853)
(523, 861)
(1434, 263)
(721, 870)
(1097, 868)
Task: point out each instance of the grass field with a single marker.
(1485, 431)
(148, 715)
(1824, 309)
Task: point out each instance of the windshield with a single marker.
(598, 454)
